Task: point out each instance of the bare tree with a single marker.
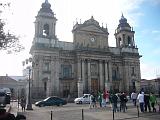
(8, 41)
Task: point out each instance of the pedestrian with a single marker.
(114, 100)
(140, 98)
(23, 103)
(123, 101)
(153, 101)
(92, 101)
(107, 97)
(100, 98)
(134, 97)
(5, 115)
(147, 103)
(104, 99)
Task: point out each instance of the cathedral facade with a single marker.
(88, 64)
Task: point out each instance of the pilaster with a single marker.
(110, 74)
(83, 74)
(101, 76)
(89, 74)
(106, 76)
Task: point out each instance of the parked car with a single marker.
(84, 99)
(50, 101)
(2, 98)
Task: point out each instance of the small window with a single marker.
(46, 67)
(66, 71)
(46, 30)
(129, 41)
(120, 41)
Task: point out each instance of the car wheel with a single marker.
(80, 102)
(60, 104)
(41, 105)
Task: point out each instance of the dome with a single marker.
(123, 22)
(91, 21)
(46, 8)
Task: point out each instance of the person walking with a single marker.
(23, 103)
(114, 100)
(153, 101)
(147, 103)
(140, 98)
(123, 101)
(107, 97)
(100, 99)
(134, 97)
(104, 99)
(92, 101)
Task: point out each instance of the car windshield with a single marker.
(46, 99)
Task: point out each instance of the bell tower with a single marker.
(45, 23)
(124, 34)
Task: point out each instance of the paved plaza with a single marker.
(72, 111)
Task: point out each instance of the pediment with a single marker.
(92, 28)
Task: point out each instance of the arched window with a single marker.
(46, 30)
(129, 41)
(120, 41)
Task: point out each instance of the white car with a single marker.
(84, 99)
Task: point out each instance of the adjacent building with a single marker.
(16, 85)
(88, 64)
(152, 85)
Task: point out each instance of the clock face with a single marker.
(92, 39)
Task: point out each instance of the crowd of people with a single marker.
(112, 99)
(147, 101)
(118, 101)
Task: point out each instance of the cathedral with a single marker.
(86, 65)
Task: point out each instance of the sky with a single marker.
(142, 15)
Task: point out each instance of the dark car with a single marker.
(50, 101)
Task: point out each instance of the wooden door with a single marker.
(94, 86)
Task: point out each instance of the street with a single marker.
(73, 111)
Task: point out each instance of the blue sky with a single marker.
(142, 15)
(148, 37)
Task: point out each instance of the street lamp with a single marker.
(29, 104)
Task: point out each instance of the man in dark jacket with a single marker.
(146, 102)
(114, 99)
(123, 101)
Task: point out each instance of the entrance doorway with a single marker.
(94, 86)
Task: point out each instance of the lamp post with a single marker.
(29, 104)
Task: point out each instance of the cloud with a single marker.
(155, 31)
(149, 70)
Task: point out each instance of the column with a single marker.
(89, 74)
(79, 75)
(106, 76)
(110, 74)
(79, 69)
(101, 82)
(57, 67)
(40, 87)
(83, 75)
(53, 71)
